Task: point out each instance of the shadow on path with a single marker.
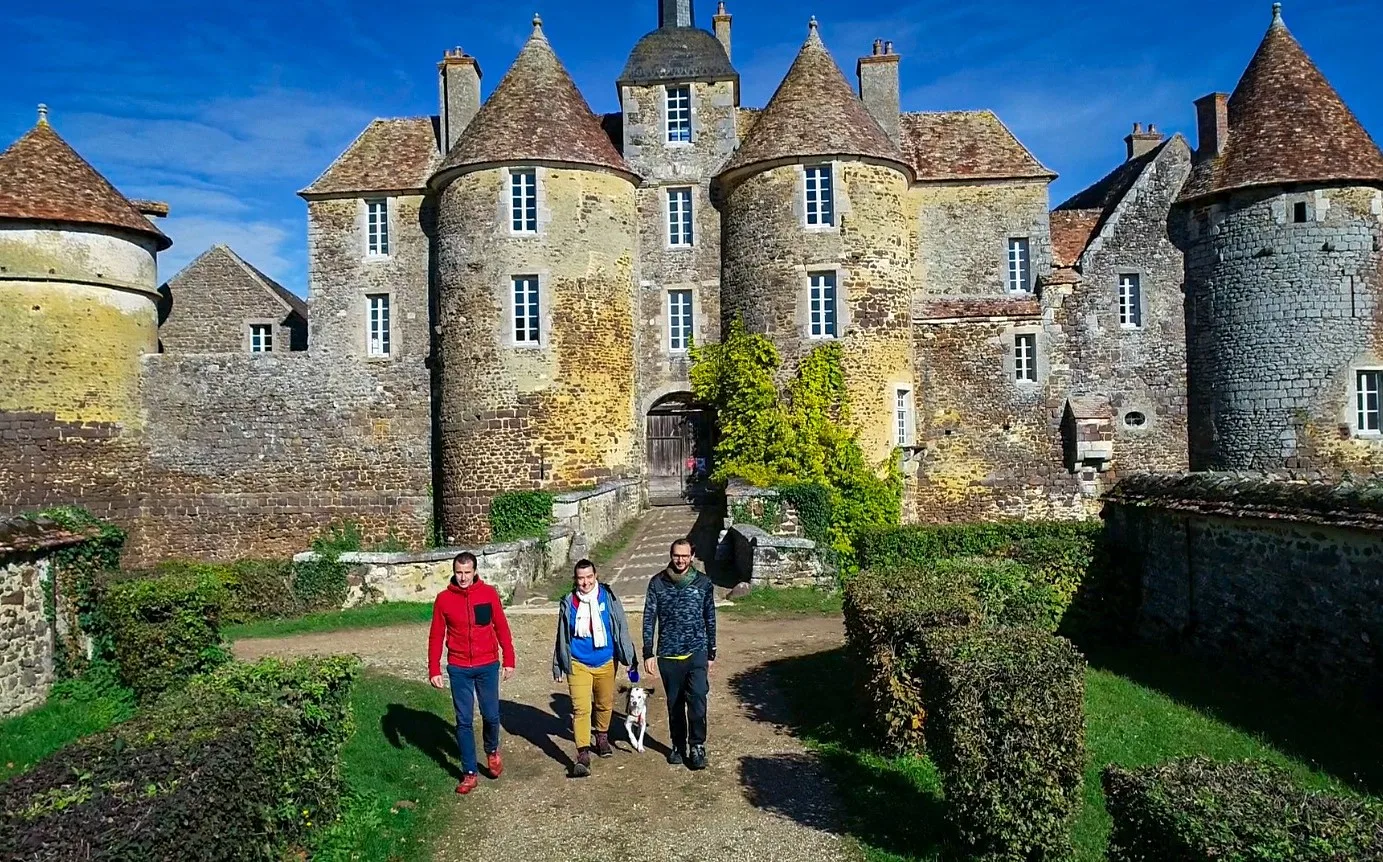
(889, 803)
(426, 731)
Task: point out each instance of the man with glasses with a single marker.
(680, 604)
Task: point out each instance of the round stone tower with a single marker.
(1281, 222)
(78, 308)
(535, 290)
(818, 238)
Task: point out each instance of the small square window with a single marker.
(679, 319)
(377, 324)
(1019, 265)
(261, 338)
(820, 196)
(1025, 357)
(523, 201)
(527, 313)
(1130, 301)
(1299, 212)
(822, 302)
(679, 217)
(679, 130)
(1369, 402)
(377, 227)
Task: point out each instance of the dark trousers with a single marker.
(687, 685)
(469, 684)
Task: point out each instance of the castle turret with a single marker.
(535, 291)
(78, 309)
(818, 237)
(1280, 223)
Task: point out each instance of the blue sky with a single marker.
(226, 109)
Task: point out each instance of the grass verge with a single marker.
(369, 616)
(893, 805)
(797, 601)
(399, 767)
(74, 709)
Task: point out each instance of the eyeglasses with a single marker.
(681, 556)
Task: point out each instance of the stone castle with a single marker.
(502, 297)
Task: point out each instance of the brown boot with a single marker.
(602, 745)
(582, 767)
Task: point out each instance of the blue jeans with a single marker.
(468, 683)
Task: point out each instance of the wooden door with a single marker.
(669, 444)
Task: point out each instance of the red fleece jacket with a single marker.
(472, 621)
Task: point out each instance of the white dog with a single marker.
(636, 715)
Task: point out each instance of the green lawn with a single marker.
(797, 601)
(369, 616)
(403, 751)
(894, 804)
(73, 710)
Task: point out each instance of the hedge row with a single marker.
(239, 766)
(163, 631)
(1196, 810)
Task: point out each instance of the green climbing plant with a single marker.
(798, 440)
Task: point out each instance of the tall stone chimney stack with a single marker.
(1140, 143)
(458, 86)
(676, 13)
(721, 24)
(878, 76)
(1212, 126)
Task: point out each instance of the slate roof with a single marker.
(43, 179)
(813, 113)
(965, 145)
(1071, 233)
(389, 155)
(254, 278)
(22, 534)
(536, 114)
(981, 307)
(677, 54)
(1287, 124)
(1076, 221)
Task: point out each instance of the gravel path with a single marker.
(764, 798)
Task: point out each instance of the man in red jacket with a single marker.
(469, 615)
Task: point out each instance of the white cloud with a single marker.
(270, 246)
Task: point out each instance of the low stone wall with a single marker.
(1282, 578)
(764, 560)
(420, 576)
(594, 515)
(26, 632)
(746, 503)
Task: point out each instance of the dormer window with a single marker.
(679, 130)
(523, 201)
(377, 227)
(820, 196)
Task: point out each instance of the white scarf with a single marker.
(588, 619)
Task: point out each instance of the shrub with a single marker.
(1197, 810)
(72, 594)
(255, 589)
(163, 631)
(230, 769)
(1009, 593)
(520, 515)
(1007, 735)
(321, 583)
(886, 614)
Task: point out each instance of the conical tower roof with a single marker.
(43, 179)
(813, 113)
(1286, 125)
(536, 114)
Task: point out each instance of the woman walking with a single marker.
(592, 640)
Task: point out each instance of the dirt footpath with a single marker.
(763, 798)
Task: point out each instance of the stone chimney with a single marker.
(676, 13)
(720, 22)
(1140, 143)
(1212, 125)
(458, 85)
(878, 75)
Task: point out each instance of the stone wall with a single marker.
(419, 577)
(594, 515)
(963, 233)
(763, 560)
(552, 415)
(1280, 315)
(1280, 579)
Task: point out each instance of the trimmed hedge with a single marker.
(254, 589)
(1007, 735)
(1196, 810)
(240, 766)
(520, 515)
(163, 631)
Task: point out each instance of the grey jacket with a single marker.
(619, 634)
